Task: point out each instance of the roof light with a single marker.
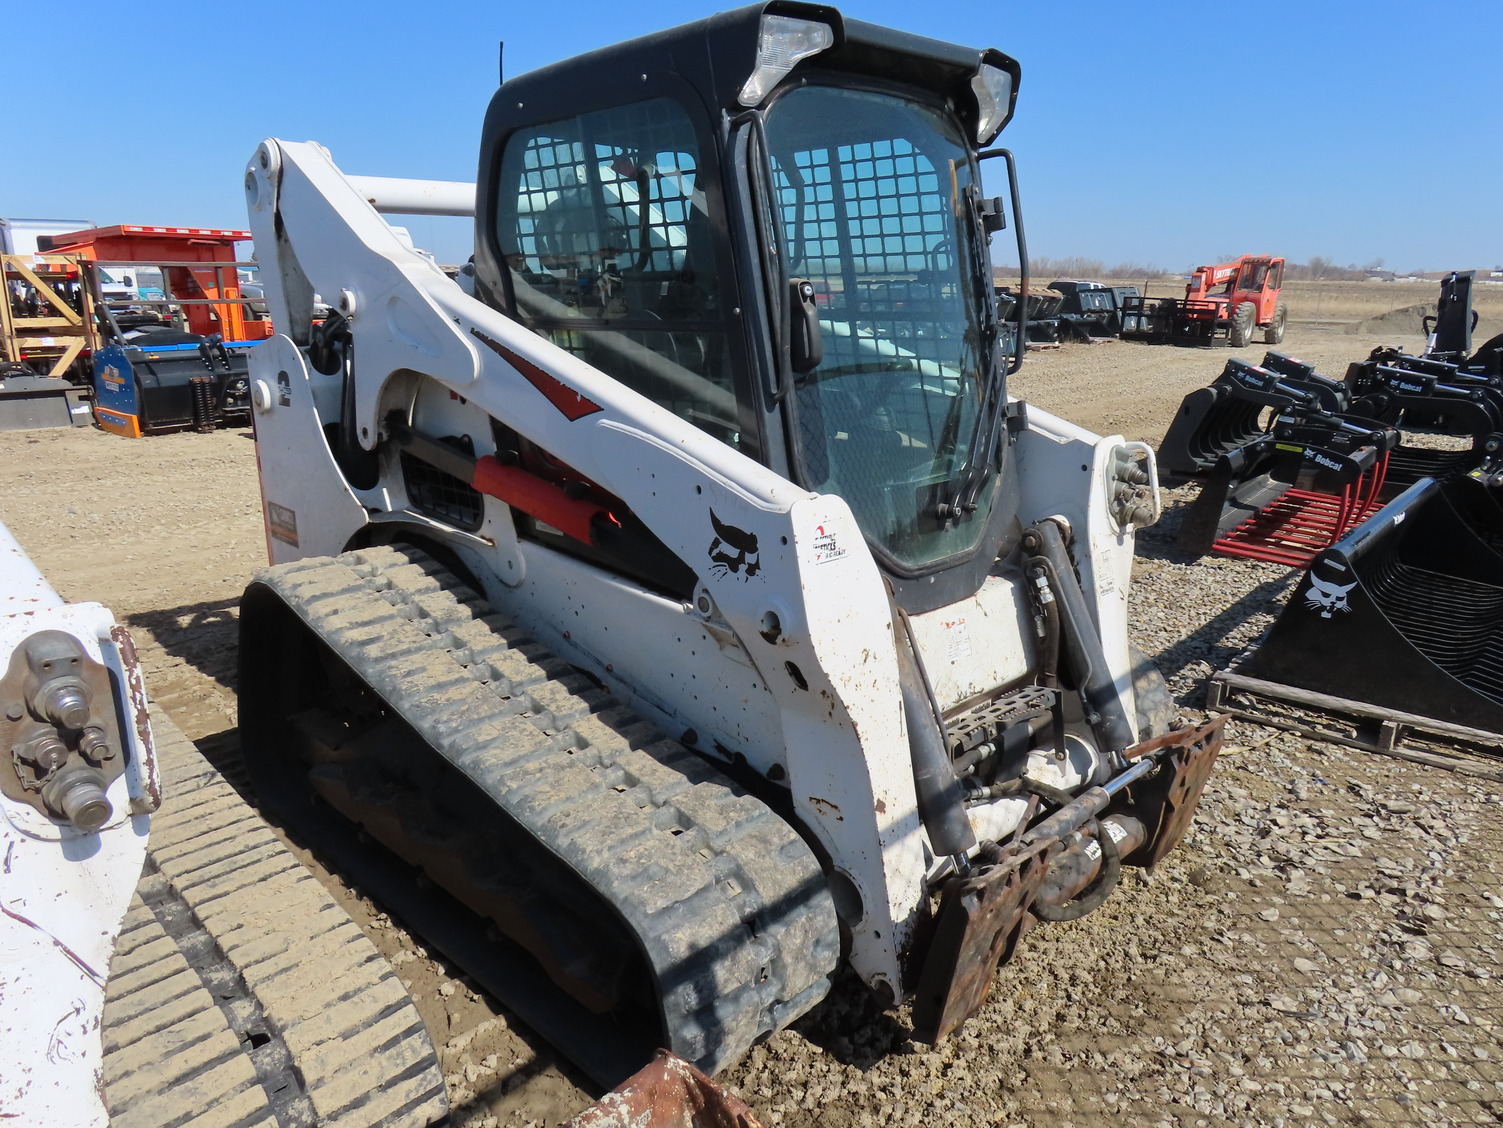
(993, 88)
(785, 43)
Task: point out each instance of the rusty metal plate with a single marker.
(981, 917)
(21, 722)
(667, 1093)
(1166, 801)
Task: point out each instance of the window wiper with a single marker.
(982, 455)
(994, 407)
(981, 450)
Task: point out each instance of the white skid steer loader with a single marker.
(683, 606)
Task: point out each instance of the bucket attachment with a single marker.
(667, 1093)
(1398, 626)
(1042, 325)
(1091, 309)
(29, 401)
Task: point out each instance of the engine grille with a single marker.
(442, 496)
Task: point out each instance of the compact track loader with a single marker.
(690, 608)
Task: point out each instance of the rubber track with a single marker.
(726, 900)
(240, 994)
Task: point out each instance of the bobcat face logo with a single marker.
(745, 562)
(1326, 597)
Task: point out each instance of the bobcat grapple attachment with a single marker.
(1396, 628)
(1233, 410)
(1423, 395)
(1292, 459)
(1288, 496)
(1290, 473)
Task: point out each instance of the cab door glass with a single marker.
(873, 197)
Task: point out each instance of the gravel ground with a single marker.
(1322, 950)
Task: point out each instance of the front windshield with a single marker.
(873, 197)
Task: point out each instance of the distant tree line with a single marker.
(1318, 269)
(1321, 269)
(1076, 266)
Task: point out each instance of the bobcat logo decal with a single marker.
(1326, 597)
(745, 561)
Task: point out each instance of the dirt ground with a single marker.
(1323, 949)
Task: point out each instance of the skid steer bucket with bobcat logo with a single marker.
(1399, 625)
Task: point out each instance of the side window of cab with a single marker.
(611, 254)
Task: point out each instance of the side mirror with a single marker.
(806, 348)
(993, 218)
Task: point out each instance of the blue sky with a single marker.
(1152, 132)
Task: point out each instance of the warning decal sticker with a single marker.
(282, 523)
(826, 547)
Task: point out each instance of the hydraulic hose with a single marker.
(1075, 815)
(1108, 720)
(1092, 897)
(940, 797)
(1046, 607)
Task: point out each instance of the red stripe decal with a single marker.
(573, 405)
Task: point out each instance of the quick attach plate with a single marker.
(984, 913)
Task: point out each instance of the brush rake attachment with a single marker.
(1293, 460)
(1293, 492)
(1422, 395)
(1234, 409)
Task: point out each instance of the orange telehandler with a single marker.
(1230, 300)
